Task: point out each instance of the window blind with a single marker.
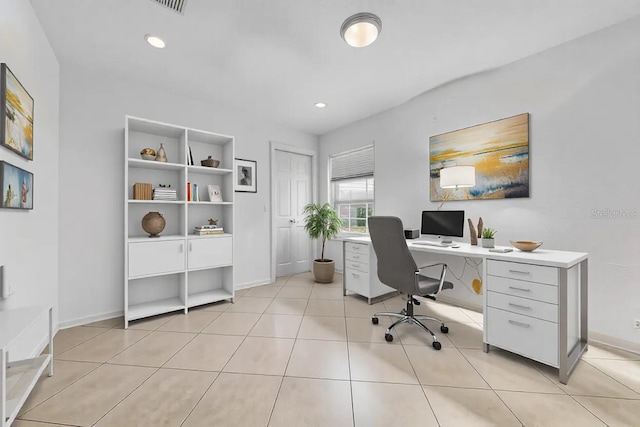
(352, 164)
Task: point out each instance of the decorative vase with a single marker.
(153, 223)
(161, 155)
(488, 243)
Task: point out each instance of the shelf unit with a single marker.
(19, 377)
(178, 269)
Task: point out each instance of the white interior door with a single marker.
(292, 193)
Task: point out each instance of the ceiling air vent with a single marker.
(175, 5)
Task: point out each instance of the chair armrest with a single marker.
(432, 265)
(442, 273)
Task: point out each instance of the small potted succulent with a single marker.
(488, 235)
(322, 222)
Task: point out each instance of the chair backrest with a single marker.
(396, 266)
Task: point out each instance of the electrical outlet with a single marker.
(636, 323)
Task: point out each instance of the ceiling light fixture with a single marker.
(320, 104)
(155, 41)
(361, 29)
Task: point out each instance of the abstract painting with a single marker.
(17, 187)
(499, 150)
(16, 108)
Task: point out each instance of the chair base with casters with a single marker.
(407, 316)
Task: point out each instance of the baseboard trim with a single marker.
(633, 347)
(253, 284)
(90, 319)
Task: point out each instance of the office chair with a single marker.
(397, 268)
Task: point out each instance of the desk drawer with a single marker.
(533, 338)
(521, 288)
(357, 248)
(357, 281)
(527, 307)
(356, 257)
(519, 271)
(350, 265)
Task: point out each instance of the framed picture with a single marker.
(17, 187)
(246, 176)
(214, 193)
(16, 110)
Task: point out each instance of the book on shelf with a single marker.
(208, 227)
(208, 232)
(190, 158)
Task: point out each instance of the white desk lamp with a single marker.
(455, 177)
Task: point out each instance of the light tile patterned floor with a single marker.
(296, 353)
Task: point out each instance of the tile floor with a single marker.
(295, 353)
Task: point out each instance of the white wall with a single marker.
(29, 239)
(584, 103)
(93, 107)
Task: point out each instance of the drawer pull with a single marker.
(355, 265)
(522, 325)
(524, 307)
(180, 249)
(519, 272)
(190, 246)
(356, 256)
(356, 248)
(519, 289)
(357, 276)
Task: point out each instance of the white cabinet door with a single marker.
(150, 258)
(210, 252)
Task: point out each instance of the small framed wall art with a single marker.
(16, 110)
(246, 176)
(17, 187)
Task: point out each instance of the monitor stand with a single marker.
(446, 241)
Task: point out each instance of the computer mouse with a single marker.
(455, 246)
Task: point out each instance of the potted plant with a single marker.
(322, 222)
(488, 240)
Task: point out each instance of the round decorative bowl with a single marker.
(148, 152)
(153, 223)
(209, 162)
(526, 245)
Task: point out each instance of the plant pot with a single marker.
(323, 270)
(488, 243)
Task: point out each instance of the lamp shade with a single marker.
(458, 177)
(361, 29)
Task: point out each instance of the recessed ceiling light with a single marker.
(320, 104)
(361, 29)
(155, 41)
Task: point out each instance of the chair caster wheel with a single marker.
(444, 329)
(388, 337)
(436, 345)
(374, 320)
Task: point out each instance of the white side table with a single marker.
(18, 377)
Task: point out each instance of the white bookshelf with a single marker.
(178, 269)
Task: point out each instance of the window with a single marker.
(352, 188)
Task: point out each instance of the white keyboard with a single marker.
(440, 245)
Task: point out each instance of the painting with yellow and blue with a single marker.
(17, 110)
(498, 150)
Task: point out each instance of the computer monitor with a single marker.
(445, 224)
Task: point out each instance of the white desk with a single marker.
(534, 303)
